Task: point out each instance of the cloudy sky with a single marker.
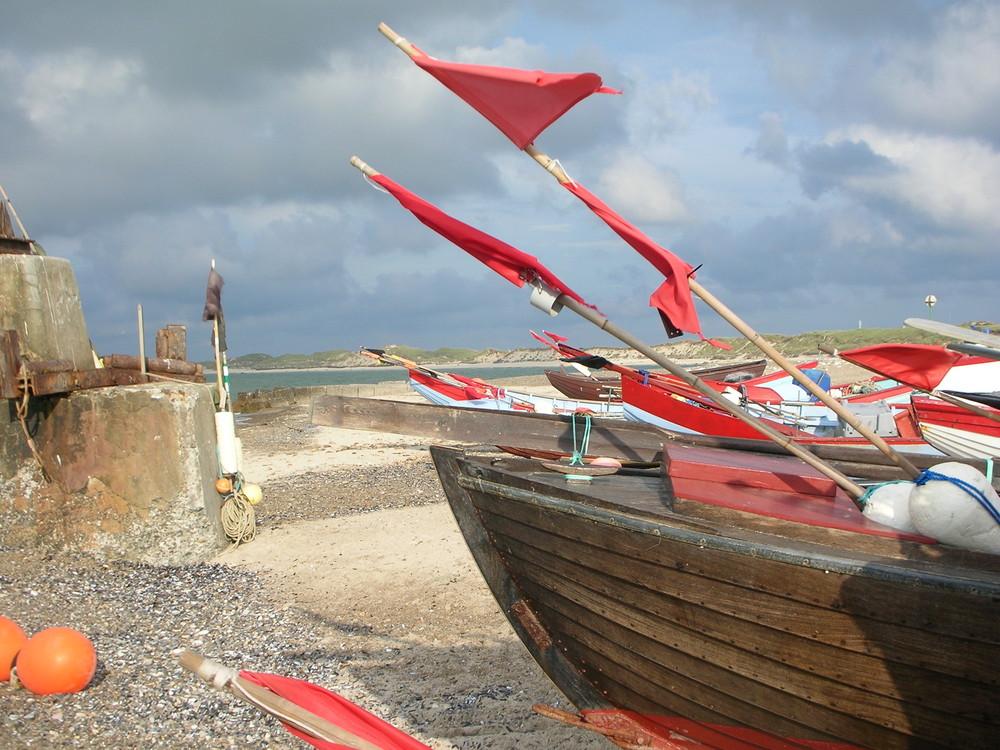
(826, 164)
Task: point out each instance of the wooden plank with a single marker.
(153, 364)
(171, 342)
(608, 437)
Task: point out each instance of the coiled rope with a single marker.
(239, 521)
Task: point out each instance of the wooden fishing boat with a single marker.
(956, 431)
(601, 385)
(734, 600)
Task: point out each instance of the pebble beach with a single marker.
(358, 580)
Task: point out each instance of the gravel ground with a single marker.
(136, 615)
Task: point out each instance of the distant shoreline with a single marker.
(446, 366)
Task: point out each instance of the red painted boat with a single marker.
(691, 413)
(601, 385)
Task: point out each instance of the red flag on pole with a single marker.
(922, 366)
(336, 710)
(673, 298)
(545, 341)
(521, 103)
(515, 266)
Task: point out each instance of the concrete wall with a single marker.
(132, 472)
(39, 299)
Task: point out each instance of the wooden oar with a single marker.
(587, 313)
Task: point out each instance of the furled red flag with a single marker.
(213, 306)
(545, 341)
(673, 298)
(515, 266)
(922, 366)
(521, 103)
(335, 709)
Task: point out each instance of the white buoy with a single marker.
(945, 511)
(889, 504)
(225, 431)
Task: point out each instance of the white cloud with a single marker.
(952, 183)
(949, 80)
(637, 189)
(66, 94)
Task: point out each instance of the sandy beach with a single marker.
(355, 531)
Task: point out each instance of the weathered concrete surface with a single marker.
(40, 300)
(132, 475)
(259, 400)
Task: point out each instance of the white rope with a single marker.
(239, 521)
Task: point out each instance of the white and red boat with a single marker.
(450, 389)
(956, 431)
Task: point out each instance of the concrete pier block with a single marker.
(40, 300)
(133, 472)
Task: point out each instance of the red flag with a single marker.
(545, 341)
(521, 103)
(922, 366)
(515, 266)
(673, 298)
(555, 336)
(335, 709)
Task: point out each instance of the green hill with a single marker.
(799, 345)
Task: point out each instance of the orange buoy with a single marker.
(56, 660)
(224, 485)
(11, 640)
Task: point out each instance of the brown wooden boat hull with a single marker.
(726, 628)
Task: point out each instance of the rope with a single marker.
(579, 453)
(22, 416)
(239, 521)
(978, 495)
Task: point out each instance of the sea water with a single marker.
(242, 381)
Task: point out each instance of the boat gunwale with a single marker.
(702, 533)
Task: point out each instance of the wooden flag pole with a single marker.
(851, 488)
(224, 678)
(552, 166)
(786, 442)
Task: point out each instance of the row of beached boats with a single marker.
(900, 412)
(688, 588)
